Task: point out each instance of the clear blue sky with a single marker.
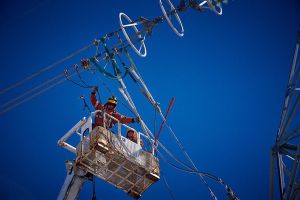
(228, 75)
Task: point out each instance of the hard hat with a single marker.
(112, 100)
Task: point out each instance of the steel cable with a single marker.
(168, 187)
(45, 69)
(36, 94)
(31, 90)
(229, 191)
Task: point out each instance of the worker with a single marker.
(131, 135)
(109, 108)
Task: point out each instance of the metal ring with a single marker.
(133, 25)
(181, 33)
(213, 7)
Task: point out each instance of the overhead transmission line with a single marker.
(188, 169)
(39, 72)
(37, 93)
(45, 69)
(148, 95)
(31, 90)
(170, 191)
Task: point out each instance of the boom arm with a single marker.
(73, 182)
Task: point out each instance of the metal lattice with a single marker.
(286, 151)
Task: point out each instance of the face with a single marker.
(130, 133)
(133, 135)
(110, 106)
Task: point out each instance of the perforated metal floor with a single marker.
(108, 157)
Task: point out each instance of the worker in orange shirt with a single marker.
(110, 108)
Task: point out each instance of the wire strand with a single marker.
(45, 69)
(111, 92)
(30, 91)
(190, 170)
(213, 196)
(34, 95)
(168, 187)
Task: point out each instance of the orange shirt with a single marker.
(109, 122)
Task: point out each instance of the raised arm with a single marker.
(96, 104)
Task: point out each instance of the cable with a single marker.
(154, 124)
(81, 79)
(32, 90)
(213, 196)
(85, 104)
(110, 91)
(172, 156)
(34, 95)
(66, 72)
(45, 69)
(168, 187)
(190, 170)
(94, 189)
(148, 95)
(146, 92)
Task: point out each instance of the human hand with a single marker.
(94, 89)
(137, 119)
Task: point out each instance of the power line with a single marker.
(190, 170)
(45, 69)
(213, 196)
(36, 94)
(32, 90)
(168, 187)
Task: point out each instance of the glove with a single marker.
(94, 89)
(138, 120)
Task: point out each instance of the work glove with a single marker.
(94, 89)
(137, 119)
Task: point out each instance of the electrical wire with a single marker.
(81, 79)
(32, 90)
(213, 196)
(110, 91)
(171, 193)
(35, 74)
(148, 95)
(45, 69)
(188, 169)
(35, 94)
(74, 82)
(142, 86)
(53, 65)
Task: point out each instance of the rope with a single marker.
(45, 69)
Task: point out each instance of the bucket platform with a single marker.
(113, 158)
